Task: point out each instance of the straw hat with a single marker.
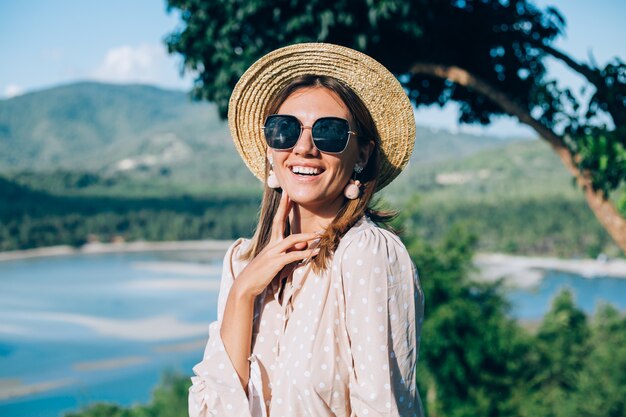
(380, 91)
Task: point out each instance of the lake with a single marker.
(85, 328)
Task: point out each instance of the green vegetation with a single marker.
(87, 125)
(150, 165)
(169, 399)
(31, 218)
(515, 197)
(475, 360)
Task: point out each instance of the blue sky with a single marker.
(45, 43)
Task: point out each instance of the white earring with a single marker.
(353, 188)
(272, 181)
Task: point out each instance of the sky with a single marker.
(45, 43)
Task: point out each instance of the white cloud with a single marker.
(12, 90)
(146, 63)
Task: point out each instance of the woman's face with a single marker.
(323, 191)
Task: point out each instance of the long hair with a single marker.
(352, 210)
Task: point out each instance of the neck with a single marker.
(305, 219)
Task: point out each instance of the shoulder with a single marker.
(234, 262)
(366, 244)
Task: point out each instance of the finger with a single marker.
(297, 256)
(292, 240)
(301, 246)
(311, 244)
(278, 225)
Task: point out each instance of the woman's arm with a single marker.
(215, 389)
(236, 331)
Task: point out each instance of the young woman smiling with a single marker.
(320, 313)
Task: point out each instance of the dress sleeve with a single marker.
(216, 389)
(384, 308)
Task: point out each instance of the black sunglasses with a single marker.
(330, 134)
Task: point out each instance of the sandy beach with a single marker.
(527, 271)
(13, 388)
(217, 246)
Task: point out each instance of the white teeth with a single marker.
(305, 170)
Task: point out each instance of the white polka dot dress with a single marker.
(341, 343)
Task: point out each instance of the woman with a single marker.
(319, 314)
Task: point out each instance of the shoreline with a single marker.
(210, 245)
(520, 270)
(528, 271)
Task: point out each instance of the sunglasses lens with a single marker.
(330, 134)
(281, 132)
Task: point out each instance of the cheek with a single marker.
(344, 173)
(277, 161)
(345, 167)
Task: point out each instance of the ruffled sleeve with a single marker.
(384, 307)
(216, 389)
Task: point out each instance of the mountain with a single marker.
(88, 125)
(520, 168)
(147, 132)
(435, 145)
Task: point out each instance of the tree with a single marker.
(472, 356)
(602, 382)
(562, 348)
(487, 55)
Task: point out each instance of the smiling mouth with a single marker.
(306, 171)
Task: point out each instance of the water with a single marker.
(589, 294)
(79, 329)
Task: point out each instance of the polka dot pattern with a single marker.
(344, 342)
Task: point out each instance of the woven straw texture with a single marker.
(373, 83)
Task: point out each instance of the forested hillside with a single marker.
(97, 161)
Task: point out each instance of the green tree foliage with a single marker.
(31, 218)
(220, 40)
(561, 351)
(169, 399)
(562, 338)
(471, 350)
(525, 225)
(476, 361)
(601, 383)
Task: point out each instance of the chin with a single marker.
(303, 198)
(313, 202)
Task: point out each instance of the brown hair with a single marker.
(352, 210)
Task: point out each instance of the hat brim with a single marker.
(379, 90)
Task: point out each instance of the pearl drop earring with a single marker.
(353, 188)
(272, 181)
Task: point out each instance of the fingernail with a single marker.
(314, 241)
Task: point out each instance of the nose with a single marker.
(305, 145)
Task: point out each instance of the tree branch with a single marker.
(592, 74)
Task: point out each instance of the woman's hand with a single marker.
(279, 252)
